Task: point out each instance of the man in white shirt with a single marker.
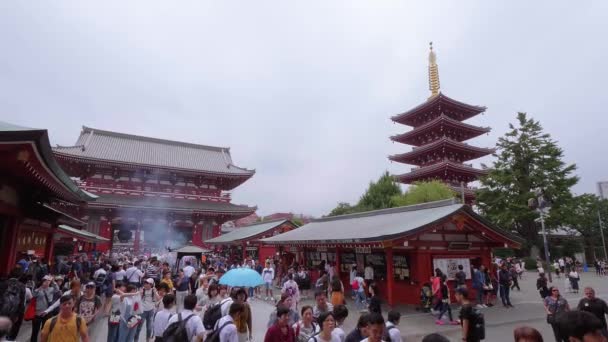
(376, 328)
(268, 276)
(368, 274)
(194, 325)
(188, 270)
(134, 275)
(161, 318)
(226, 326)
(392, 326)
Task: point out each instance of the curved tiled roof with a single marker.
(439, 144)
(247, 232)
(407, 117)
(95, 144)
(441, 120)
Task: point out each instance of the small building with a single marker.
(244, 242)
(36, 197)
(403, 245)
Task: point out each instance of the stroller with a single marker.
(426, 298)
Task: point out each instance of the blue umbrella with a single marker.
(242, 277)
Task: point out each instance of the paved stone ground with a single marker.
(500, 321)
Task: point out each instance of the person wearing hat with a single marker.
(44, 296)
(148, 298)
(88, 305)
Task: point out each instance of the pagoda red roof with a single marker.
(439, 171)
(440, 146)
(112, 147)
(436, 106)
(440, 124)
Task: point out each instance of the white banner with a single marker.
(450, 266)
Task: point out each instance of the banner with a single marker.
(450, 266)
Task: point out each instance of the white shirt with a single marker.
(134, 274)
(98, 272)
(147, 299)
(561, 262)
(268, 274)
(225, 305)
(394, 333)
(339, 333)
(229, 333)
(194, 326)
(188, 271)
(120, 275)
(367, 340)
(369, 272)
(161, 322)
(333, 338)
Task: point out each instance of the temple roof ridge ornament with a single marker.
(434, 85)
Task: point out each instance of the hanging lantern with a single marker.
(124, 235)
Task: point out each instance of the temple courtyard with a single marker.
(500, 322)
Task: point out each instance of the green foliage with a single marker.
(503, 252)
(527, 158)
(582, 216)
(529, 263)
(343, 208)
(422, 192)
(379, 195)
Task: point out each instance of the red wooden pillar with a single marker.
(76, 243)
(197, 235)
(337, 266)
(49, 249)
(390, 276)
(105, 230)
(137, 238)
(8, 253)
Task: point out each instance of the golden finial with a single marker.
(433, 73)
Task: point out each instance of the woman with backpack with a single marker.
(306, 327)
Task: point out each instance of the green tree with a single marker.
(343, 208)
(422, 192)
(379, 194)
(527, 158)
(582, 216)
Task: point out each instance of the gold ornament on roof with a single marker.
(433, 73)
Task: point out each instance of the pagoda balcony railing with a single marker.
(225, 197)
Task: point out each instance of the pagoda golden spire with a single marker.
(433, 73)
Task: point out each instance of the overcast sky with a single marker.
(303, 91)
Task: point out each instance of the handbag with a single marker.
(114, 318)
(133, 321)
(30, 312)
(551, 319)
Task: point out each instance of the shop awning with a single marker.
(248, 232)
(80, 234)
(382, 225)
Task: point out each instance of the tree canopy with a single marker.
(582, 215)
(527, 158)
(422, 192)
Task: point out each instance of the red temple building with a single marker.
(438, 137)
(153, 193)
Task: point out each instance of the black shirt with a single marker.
(596, 306)
(461, 278)
(375, 305)
(354, 336)
(466, 312)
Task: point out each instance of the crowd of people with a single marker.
(165, 299)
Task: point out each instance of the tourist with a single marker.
(527, 334)
(368, 273)
(168, 281)
(327, 323)
(108, 289)
(161, 318)
(152, 271)
(74, 291)
(573, 277)
(468, 318)
(280, 331)
(67, 326)
(504, 283)
(290, 288)
(322, 283)
(194, 324)
(306, 327)
(375, 304)
(244, 324)
(541, 285)
(489, 288)
(44, 296)
(361, 331)
(594, 305)
(435, 337)
(562, 265)
(121, 273)
(555, 305)
(351, 279)
(360, 298)
(337, 291)
(479, 284)
(445, 304)
(436, 289)
(88, 305)
(129, 319)
(340, 313)
(268, 276)
(213, 295)
(393, 334)
(580, 326)
(460, 278)
(225, 325)
(223, 294)
(162, 290)
(514, 278)
(182, 289)
(293, 315)
(149, 297)
(556, 268)
(134, 274)
(376, 328)
(322, 306)
(114, 317)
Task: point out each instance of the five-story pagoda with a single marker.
(438, 137)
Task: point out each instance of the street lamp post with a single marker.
(546, 244)
(542, 205)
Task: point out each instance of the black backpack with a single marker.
(386, 336)
(12, 298)
(213, 314)
(479, 325)
(177, 331)
(215, 335)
